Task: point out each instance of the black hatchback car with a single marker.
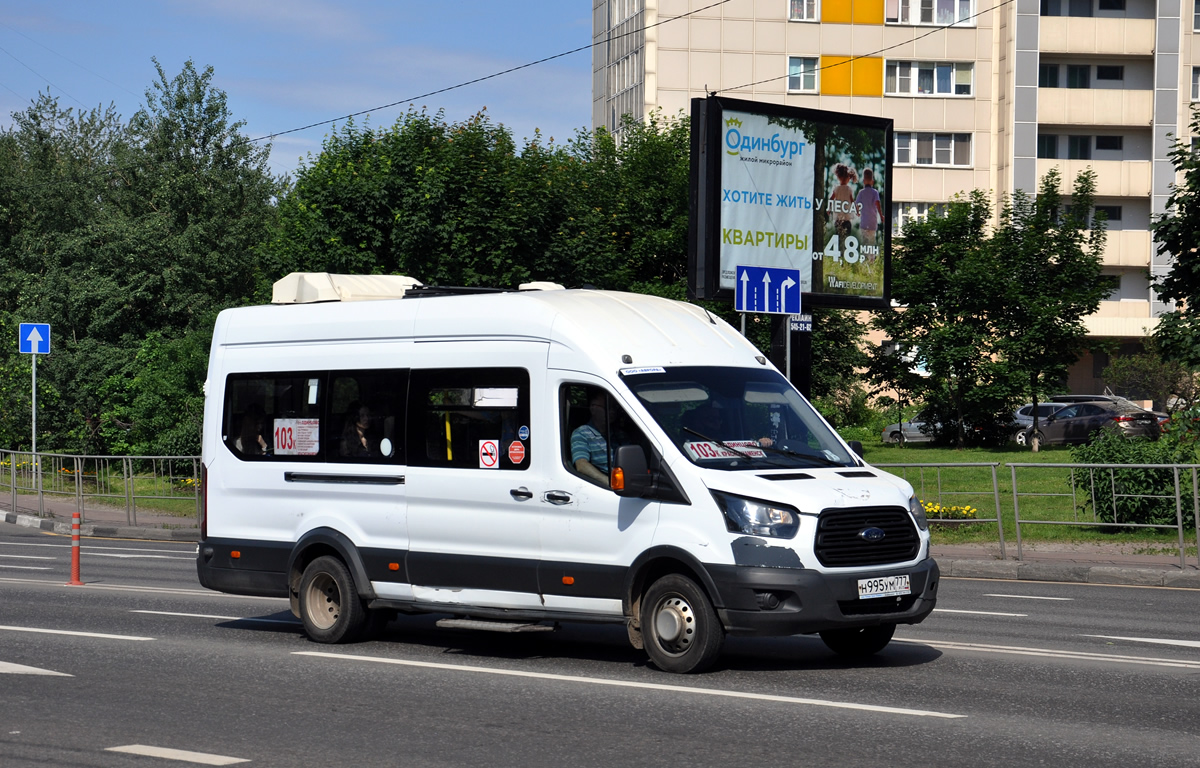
(1079, 422)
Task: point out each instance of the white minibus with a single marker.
(513, 459)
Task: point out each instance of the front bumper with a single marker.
(807, 601)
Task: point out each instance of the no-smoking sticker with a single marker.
(516, 452)
(489, 454)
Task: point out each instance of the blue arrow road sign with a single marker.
(772, 290)
(35, 338)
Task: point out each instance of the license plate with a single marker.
(885, 586)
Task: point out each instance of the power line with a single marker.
(66, 58)
(510, 70)
(39, 74)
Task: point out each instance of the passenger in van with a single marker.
(359, 438)
(250, 440)
(589, 444)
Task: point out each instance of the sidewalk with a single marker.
(1081, 563)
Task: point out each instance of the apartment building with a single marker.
(984, 94)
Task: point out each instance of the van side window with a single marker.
(476, 418)
(274, 415)
(593, 425)
(366, 417)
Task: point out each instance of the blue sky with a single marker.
(288, 64)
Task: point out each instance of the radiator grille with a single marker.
(839, 545)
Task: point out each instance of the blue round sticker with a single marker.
(523, 433)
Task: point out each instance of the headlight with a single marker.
(757, 518)
(918, 513)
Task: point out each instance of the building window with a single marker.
(1048, 75)
(1196, 16)
(906, 213)
(1195, 83)
(625, 73)
(802, 74)
(804, 10)
(1113, 284)
(938, 149)
(1110, 143)
(1111, 5)
(1079, 75)
(623, 9)
(1111, 212)
(1104, 72)
(929, 12)
(928, 78)
(1047, 146)
(1079, 147)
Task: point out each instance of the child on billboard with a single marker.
(870, 213)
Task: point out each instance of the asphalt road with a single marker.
(143, 660)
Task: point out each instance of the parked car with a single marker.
(907, 432)
(1023, 418)
(1079, 422)
(1162, 417)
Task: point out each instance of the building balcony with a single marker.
(1128, 248)
(1084, 106)
(1077, 34)
(1121, 319)
(1114, 178)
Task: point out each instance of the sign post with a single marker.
(34, 339)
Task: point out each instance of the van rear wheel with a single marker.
(680, 629)
(330, 607)
(859, 643)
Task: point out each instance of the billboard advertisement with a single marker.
(785, 187)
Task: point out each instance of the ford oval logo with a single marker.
(872, 534)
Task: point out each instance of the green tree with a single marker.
(1176, 234)
(1051, 258)
(945, 277)
(1171, 385)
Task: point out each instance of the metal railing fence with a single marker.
(91, 483)
(1102, 496)
(939, 491)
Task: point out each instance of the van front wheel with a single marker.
(330, 607)
(680, 629)
(859, 643)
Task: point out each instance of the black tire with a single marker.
(680, 629)
(1021, 438)
(859, 643)
(896, 438)
(330, 607)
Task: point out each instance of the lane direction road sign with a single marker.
(770, 290)
(34, 338)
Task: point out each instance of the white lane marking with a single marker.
(1052, 654)
(1034, 597)
(979, 613)
(200, 758)
(632, 684)
(29, 557)
(155, 590)
(221, 618)
(27, 567)
(191, 549)
(21, 669)
(1155, 640)
(75, 634)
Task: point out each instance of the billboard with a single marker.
(784, 187)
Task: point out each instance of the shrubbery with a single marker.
(1139, 496)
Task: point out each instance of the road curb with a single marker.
(1074, 573)
(104, 531)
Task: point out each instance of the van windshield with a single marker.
(736, 418)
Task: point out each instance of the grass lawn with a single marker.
(1045, 494)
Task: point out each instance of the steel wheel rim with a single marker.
(324, 601)
(674, 625)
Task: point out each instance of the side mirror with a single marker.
(630, 477)
(856, 446)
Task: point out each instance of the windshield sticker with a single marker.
(700, 450)
(636, 371)
(297, 437)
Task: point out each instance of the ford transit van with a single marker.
(516, 459)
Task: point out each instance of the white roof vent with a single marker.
(310, 287)
(541, 286)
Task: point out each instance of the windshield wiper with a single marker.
(813, 456)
